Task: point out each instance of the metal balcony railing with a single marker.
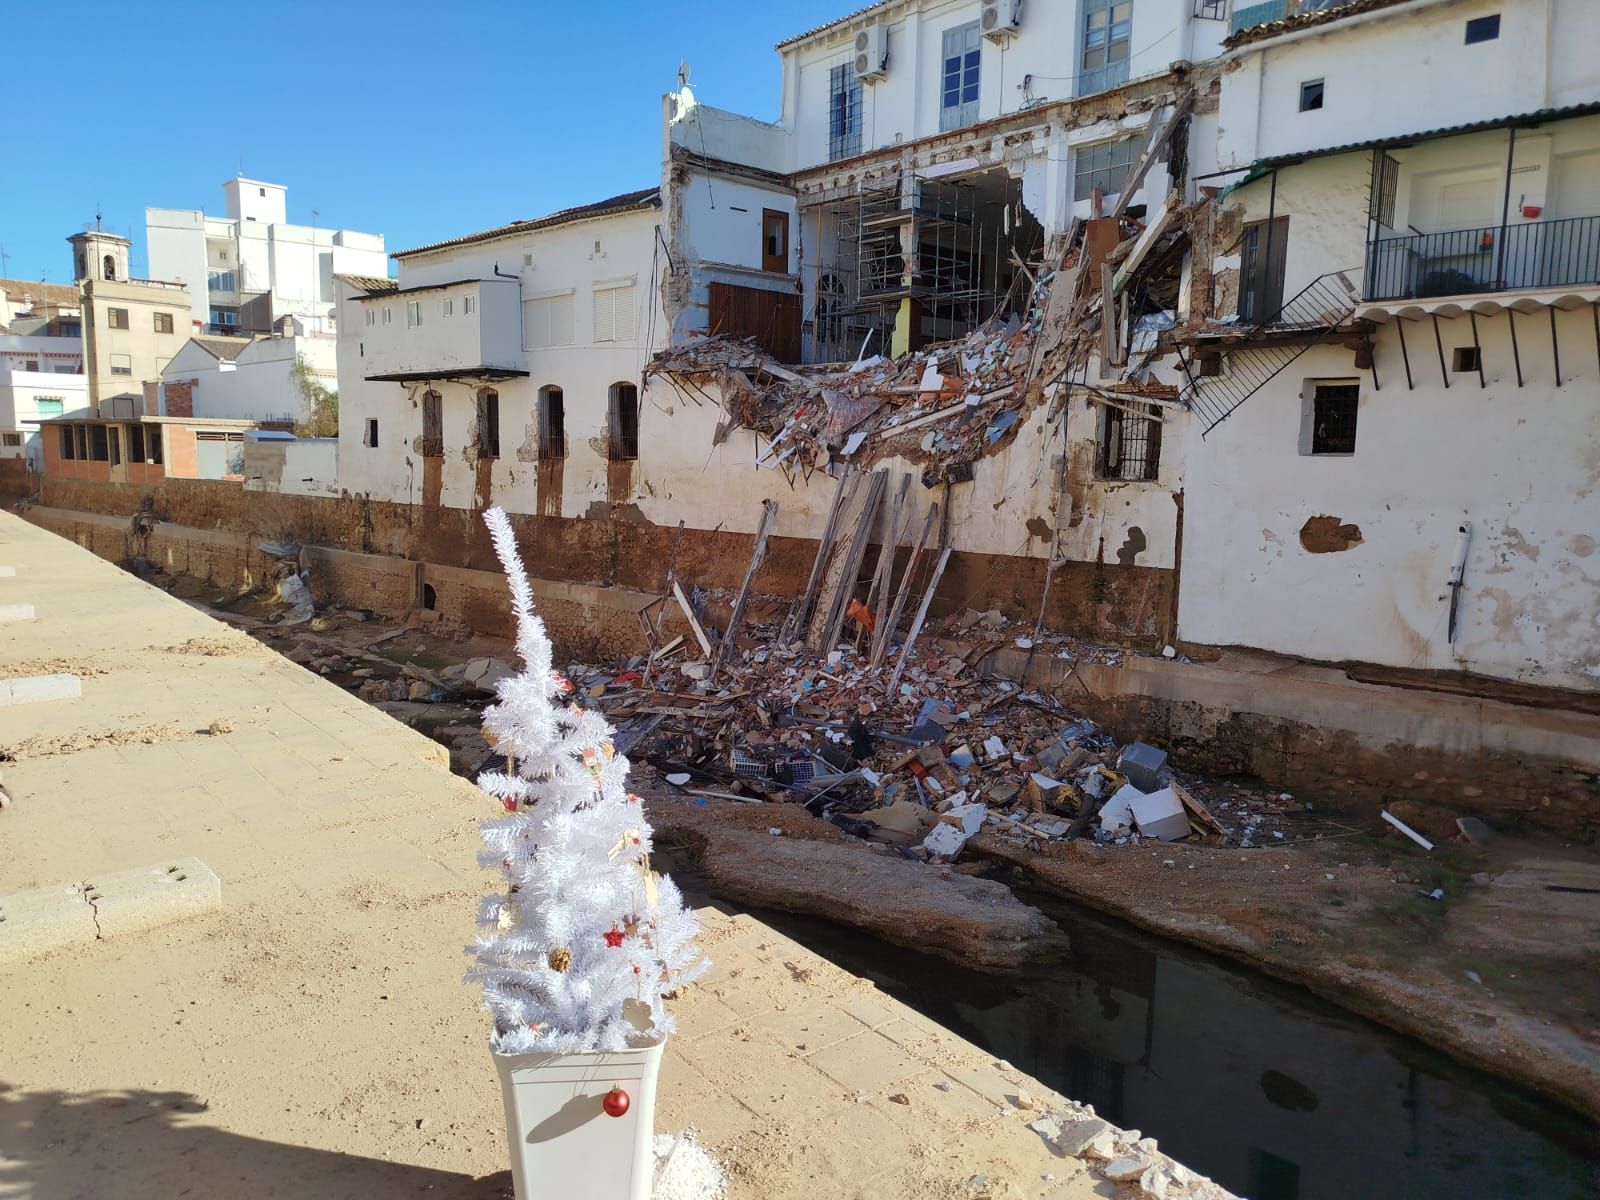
(1537, 254)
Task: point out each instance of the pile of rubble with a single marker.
(921, 766)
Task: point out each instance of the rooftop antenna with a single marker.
(5, 261)
(683, 74)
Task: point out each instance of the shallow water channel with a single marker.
(1258, 1084)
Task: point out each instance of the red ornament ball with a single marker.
(616, 1102)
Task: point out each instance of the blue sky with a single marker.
(417, 120)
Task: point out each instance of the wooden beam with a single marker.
(769, 518)
(916, 625)
(799, 614)
(1156, 138)
(826, 631)
(694, 622)
(879, 597)
(885, 629)
(1143, 244)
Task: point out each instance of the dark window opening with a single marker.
(552, 423)
(1311, 95)
(1468, 358)
(108, 268)
(1483, 29)
(430, 598)
(774, 241)
(1211, 10)
(81, 436)
(163, 322)
(153, 441)
(99, 444)
(117, 318)
(372, 433)
(432, 425)
(69, 445)
(488, 423)
(114, 444)
(1130, 442)
(136, 443)
(624, 411)
(1333, 418)
(1261, 272)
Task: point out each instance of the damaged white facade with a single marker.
(1451, 409)
(505, 364)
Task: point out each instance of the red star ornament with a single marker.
(614, 938)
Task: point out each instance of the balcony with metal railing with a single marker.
(1493, 258)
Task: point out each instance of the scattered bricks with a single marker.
(16, 612)
(36, 689)
(45, 919)
(128, 901)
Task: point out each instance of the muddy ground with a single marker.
(1489, 952)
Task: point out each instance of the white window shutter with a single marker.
(622, 313)
(605, 326)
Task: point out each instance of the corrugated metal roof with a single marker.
(1537, 117)
(1307, 20)
(370, 283)
(644, 198)
(816, 29)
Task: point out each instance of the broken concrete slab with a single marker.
(1074, 1140)
(36, 689)
(1475, 831)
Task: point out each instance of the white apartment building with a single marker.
(503, 366)
(1411, 378)
(248, 269)
(40, 377)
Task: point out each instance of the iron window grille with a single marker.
(844, 113)
(1130, 444)
(1333, 428)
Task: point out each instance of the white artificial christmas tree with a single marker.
(579, 952)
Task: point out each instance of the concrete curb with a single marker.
(35, 689)
(107, 906)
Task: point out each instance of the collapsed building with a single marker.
(1155, 324)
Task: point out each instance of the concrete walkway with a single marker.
(311, 1037)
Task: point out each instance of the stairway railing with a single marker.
(1317, 310)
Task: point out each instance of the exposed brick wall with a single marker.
(15, 482)
(180, 399)
(1123, 605)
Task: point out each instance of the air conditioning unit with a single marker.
(872, 53)
(1000, 19)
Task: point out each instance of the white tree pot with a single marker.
(564, 1146)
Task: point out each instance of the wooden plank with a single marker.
(694, 622)
(769, 518)
(888, 543)
(1157, 138)
(916, 625)
(801, 612)
(928, 419)
(845, 586)
(1143, 245)
(881, 636)
(827, 586)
